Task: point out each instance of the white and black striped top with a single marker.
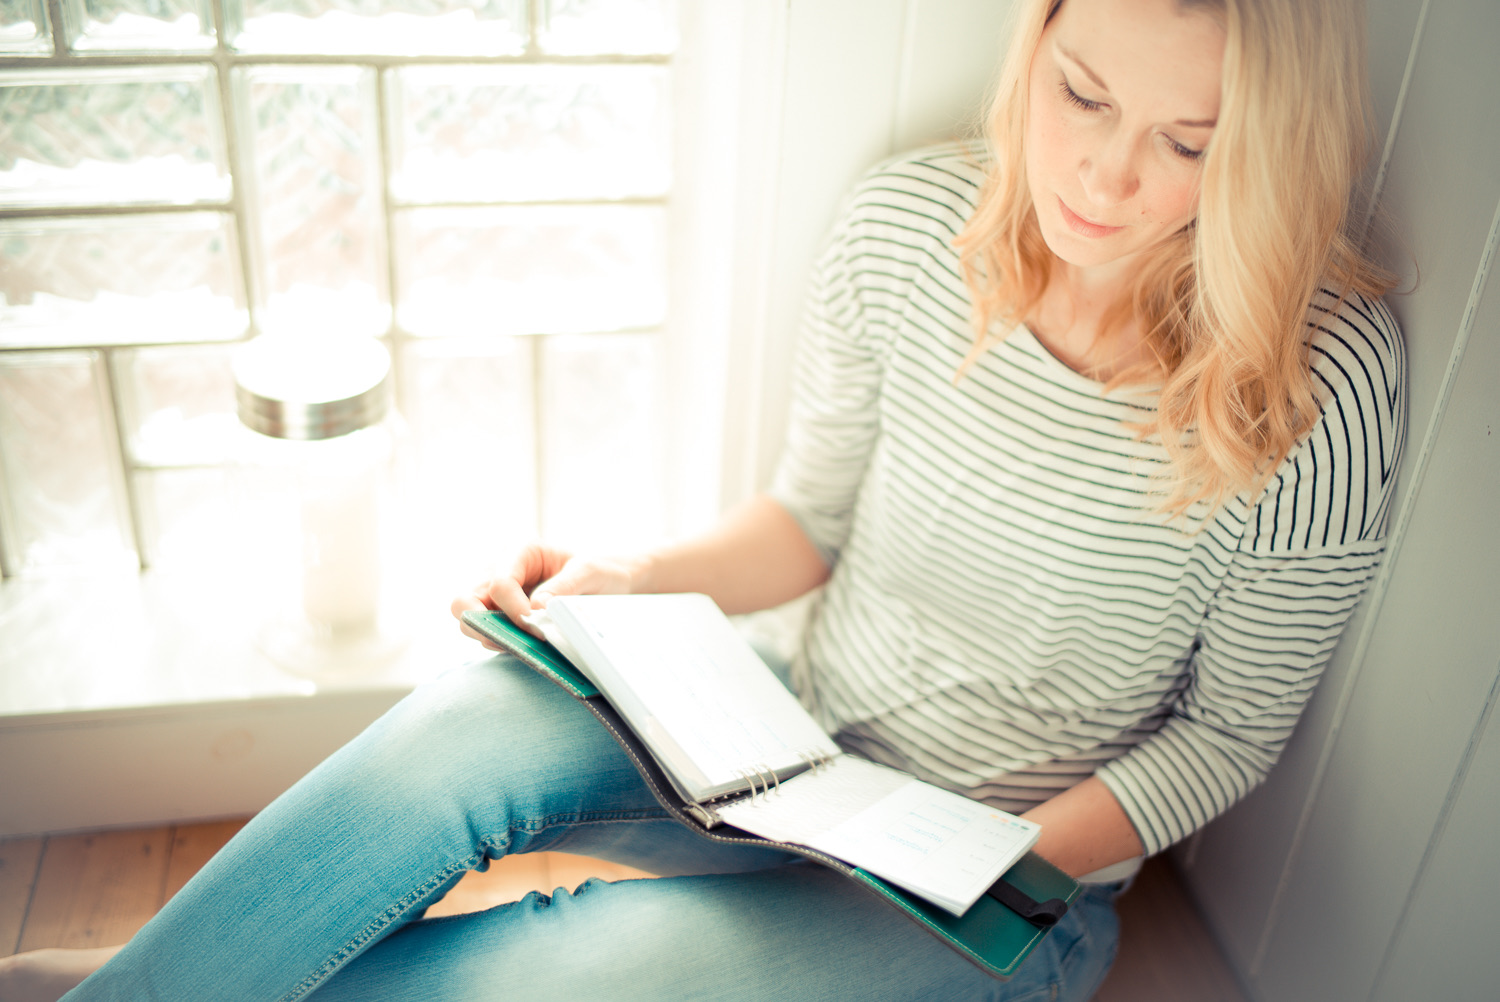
(1007, 613)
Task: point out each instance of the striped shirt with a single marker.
(1007, 613)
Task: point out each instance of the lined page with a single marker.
(939, 845)
(691, 687)
(813, 804)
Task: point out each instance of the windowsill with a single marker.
(121, 640)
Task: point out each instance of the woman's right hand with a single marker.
(539, 572)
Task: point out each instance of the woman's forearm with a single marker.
(755, 558)
(1084, 829)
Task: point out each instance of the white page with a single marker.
(813, 804)
(937, 844)
(691, 687)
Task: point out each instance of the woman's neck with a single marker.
(1070, 321)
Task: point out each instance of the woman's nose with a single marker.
(1109, 173)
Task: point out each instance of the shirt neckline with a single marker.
(1034, 347)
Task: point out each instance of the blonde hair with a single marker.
(1222, 304)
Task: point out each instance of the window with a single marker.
(482, 184)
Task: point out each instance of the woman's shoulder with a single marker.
(1358, 363)
(1336, 488)
(932, 188)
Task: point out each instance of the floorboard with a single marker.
(96, 890)
(194, 845)
(19, 859)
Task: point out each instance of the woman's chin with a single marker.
(1084, 252)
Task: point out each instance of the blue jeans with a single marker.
(321, 895)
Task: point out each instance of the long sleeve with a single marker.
(871, 273)
(1309, 549)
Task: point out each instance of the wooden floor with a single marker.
(98, 889)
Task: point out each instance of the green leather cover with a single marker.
(988, 934)
(537, 653)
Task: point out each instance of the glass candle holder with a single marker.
(326, 401)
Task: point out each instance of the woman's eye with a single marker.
(1071, 96)
(1183, 151)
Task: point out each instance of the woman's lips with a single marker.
(1082, 226)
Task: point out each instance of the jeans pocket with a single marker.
(1087, 959)
(1047, 982)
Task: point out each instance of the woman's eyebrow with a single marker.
(1196, 123)
(1073, 57)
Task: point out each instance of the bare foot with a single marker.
(48, 975)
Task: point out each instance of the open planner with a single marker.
(731, 753)
(739, 745)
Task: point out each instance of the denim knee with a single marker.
(487, 713)
(505, 749)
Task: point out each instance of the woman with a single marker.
(1091, 491)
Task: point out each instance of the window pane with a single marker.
(317, 207)
(596, 26)
(600, 456)
(190, 516)
(62, 499)
(139, 25)
(515, 133)
(529, 270)
(242, 520)
(23, 28)
(469, 404)
(114, 136)
(125, 280)
(410, 27)
(179, 404)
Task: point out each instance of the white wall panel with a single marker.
(951, 53)
(1392, 23)
(838, 111)
(1446, 947)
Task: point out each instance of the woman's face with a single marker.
(1123, 99)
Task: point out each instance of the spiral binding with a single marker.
(769, 782)
(765, 783)
(815, 759)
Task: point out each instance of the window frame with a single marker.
(224, 61)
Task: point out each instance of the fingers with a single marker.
(536, 575)
(577, 577)
(473, 634)
(507, 593)
(512, 592)
(468, 603)
(585, 577)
